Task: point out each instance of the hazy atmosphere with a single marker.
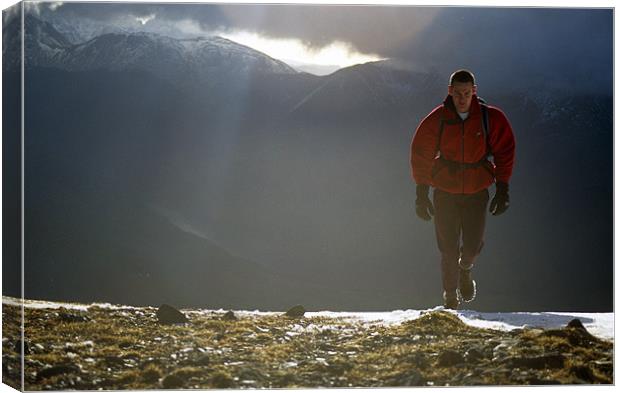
(257, 156)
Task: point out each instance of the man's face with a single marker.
(462, 93)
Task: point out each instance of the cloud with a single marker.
(38, 7)
(145, 19)
(294, 52)
(113, 11)
(368, 29)
(55, 5)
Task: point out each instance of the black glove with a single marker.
(423, 205)
(501, 200)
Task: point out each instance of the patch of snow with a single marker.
(39, 304)
(599, 324)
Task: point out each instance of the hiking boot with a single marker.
(467, 286)
(450, 300)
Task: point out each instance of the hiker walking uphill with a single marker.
(460, 149)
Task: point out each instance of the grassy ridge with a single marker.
(127, 348)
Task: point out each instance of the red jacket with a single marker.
(461, 167)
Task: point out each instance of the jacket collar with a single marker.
(474, 109)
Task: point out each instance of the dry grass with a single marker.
(128, 349)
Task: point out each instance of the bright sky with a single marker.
(294, 52)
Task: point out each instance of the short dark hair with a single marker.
(462, 76)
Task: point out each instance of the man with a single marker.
(451, 152)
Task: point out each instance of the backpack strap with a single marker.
(484, 108)
(438, 148)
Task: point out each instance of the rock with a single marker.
(57, 370)
(584, 373)
(550, 361)
(72, 318)
(150, 375)
(286, 379)
(168, 315)
(413, 378)
(114, 361)
(203, 360)
(409, 378)
(230, 316)
(172, 382)
(18, 347)
(449, 358)
(579, 335)
(576, 323)
(418, 360)
(221, 380)
(296, 312)
(248, 373)
(473, 355)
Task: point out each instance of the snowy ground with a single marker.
(599, 324)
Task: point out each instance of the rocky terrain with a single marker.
(148, 348)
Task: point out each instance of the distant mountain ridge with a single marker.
(42, 42)
(200, 59)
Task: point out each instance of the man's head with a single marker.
(462, 88)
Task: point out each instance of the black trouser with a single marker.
(456, 216)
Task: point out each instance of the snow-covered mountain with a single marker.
(42, 42)
(79, 30)
(168, 57)
(201, 59)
